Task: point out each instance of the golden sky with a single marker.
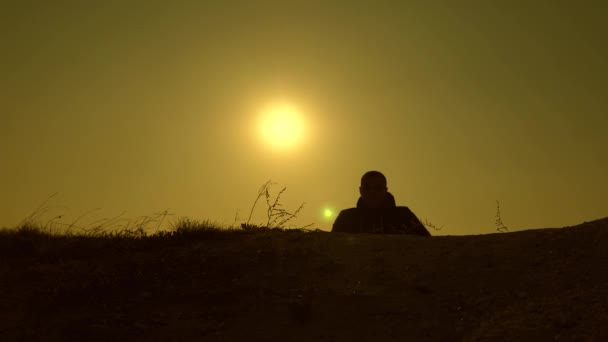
(145, 106)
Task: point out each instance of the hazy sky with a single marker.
(145, 106)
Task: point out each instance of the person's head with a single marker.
(373, 189)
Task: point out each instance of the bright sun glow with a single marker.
(281, 126)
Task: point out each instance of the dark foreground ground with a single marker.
(535, 285)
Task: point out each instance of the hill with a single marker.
(541, 285)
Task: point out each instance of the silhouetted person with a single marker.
(377, 212)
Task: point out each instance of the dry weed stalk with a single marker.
(499, 225)
(276, 215)
(429, 224)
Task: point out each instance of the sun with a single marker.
(281, 126)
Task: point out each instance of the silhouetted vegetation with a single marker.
(196, 281)
(499, 225)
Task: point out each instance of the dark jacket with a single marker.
(387, 219)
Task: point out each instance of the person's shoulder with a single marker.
(346, 219)
(348, 211)
(405, 213)
(348, 214)
(402, 209)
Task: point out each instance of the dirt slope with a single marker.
(537, 285)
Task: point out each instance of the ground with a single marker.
(533, 285)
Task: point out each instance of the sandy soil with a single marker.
(534, 285)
